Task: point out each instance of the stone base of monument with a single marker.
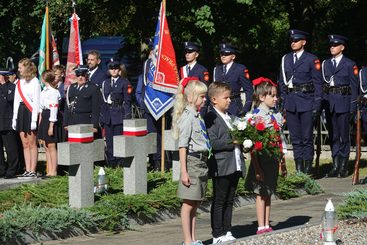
(170, 144)
(134, 146)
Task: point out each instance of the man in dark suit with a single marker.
(96, 75)
(116, 94)
(226, 166)
(301, 90)
(340, 75)
(237, 76)
(8, 137)
(83, 101)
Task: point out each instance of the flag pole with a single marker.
(162, 142)
(47, 54)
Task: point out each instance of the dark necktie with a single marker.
(205, 134)
(225, 69)
(295, 58)
(334, 63)
(188, 70)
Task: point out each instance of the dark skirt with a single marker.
(43, 129)
(24, 119)
(270, 168)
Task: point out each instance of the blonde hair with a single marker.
(193, 89)
(30, 69)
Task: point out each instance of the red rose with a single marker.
(276, 126)
(258, 146)
(260, 126)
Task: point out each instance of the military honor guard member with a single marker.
(116, 93)
(193, 68)
(363, 98)
(8, 137)
(237, 76)
(301, 90)
(83, 101)
(341, 77)
(96, 74)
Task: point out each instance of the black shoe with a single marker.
(299, 165)
(334, 171)
(343, 171)
(308, 167)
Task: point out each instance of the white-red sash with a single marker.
(24, 98)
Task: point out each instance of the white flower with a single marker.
(247, 144)
(241, 125)
(248, 116)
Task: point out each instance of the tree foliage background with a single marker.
(259, 29)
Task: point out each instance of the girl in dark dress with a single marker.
(48, 133)
(263, 171)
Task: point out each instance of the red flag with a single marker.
(74, 50)
(166, 77)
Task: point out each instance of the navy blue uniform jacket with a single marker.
(343, 76)
(306, 70)
(120, 108)
(237, 77)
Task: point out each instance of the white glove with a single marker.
(14, 124)
(33, 125)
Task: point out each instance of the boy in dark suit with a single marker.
(227, 164)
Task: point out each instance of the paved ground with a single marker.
(284, 214)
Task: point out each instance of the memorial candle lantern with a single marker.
(329, 224)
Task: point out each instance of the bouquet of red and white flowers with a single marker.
(258, 134)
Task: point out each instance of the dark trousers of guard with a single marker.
(10, 167)
(224, 189)
(110, 131)
(300, 125)
(340, 144)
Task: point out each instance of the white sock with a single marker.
(267, 226)
(260, 228)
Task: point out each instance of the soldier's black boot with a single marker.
(308, 167)
(299, 165)
(343, 171)
(334, 171)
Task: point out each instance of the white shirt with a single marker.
(228, 66)
(49, 100)
(299, 54)
(337, 60)
(31, 90)
(92, 72)
(237, 150)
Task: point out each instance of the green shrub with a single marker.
(18, 220)
(354, 205)
(290, 186)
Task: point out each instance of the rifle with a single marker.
(355, 178)
(318, 144)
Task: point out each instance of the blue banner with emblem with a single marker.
(157, 101)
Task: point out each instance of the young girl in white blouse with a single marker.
(26, 107)
(47, 132)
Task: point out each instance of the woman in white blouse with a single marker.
(26, 107)
(47, 131)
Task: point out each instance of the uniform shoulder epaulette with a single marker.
(355, 70)
(317, 64)
(247, 74)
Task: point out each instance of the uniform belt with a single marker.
(203, 156)
(363, 101)
(302, 88)
(344, 90)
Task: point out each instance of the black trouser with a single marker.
(224, 189)
(9, 140)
